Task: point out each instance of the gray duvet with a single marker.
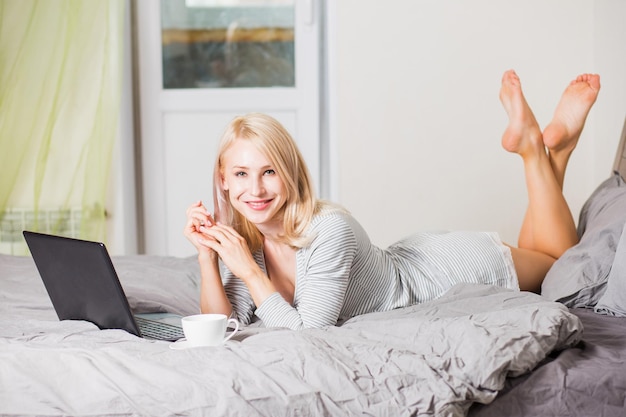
(432, 359)
(588, 380)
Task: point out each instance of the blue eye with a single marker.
(240, 174)
(270, 172)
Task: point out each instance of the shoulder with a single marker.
(332, 224)
(333, 245)
(330, 216)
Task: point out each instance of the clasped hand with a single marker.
(213, 237)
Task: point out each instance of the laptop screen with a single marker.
(81, 281)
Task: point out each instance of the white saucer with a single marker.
(180, 344)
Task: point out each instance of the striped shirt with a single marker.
(341, 274)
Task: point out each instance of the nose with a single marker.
(256, 187)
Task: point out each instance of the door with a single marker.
(200, 63)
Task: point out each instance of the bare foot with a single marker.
(561, 135)
(522, 135)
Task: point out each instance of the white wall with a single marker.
(610, 59)
(416, 121)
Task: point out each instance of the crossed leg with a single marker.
(548, 229)
(562, 133)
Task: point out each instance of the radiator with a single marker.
(13, 221)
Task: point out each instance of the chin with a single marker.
(256, 217)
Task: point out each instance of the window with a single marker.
(227, 43)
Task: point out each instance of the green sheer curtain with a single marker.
(60, 87)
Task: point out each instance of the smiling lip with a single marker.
(258, 205)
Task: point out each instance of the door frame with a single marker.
(149, 154)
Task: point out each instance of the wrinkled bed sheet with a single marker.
(432, 359)
(586, 380)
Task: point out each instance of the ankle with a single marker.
(559, 162)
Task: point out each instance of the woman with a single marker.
(294, 261)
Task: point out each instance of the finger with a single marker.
(200, 216)
(210, 243)
(194, 206)
(195, 221)
(228, 229)
(200, 219)
(197, 207)
(222, 235)
(213, 233)
(207, 221)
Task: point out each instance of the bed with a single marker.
(478, 350)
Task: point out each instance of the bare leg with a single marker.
(531, 268)
(549, 227)
(523, 125)
(561, 135)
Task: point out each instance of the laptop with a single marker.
(83, 285)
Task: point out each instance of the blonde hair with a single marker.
(273, 140)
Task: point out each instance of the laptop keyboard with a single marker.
(158, 330)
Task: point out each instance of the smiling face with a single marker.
(254, 188)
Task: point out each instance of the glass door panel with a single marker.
(227, 43)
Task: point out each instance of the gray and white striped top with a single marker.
(341, 274)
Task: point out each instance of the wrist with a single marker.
(254, 277)
(259, 285)
(207, 257)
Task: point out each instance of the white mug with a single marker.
(207, 329)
